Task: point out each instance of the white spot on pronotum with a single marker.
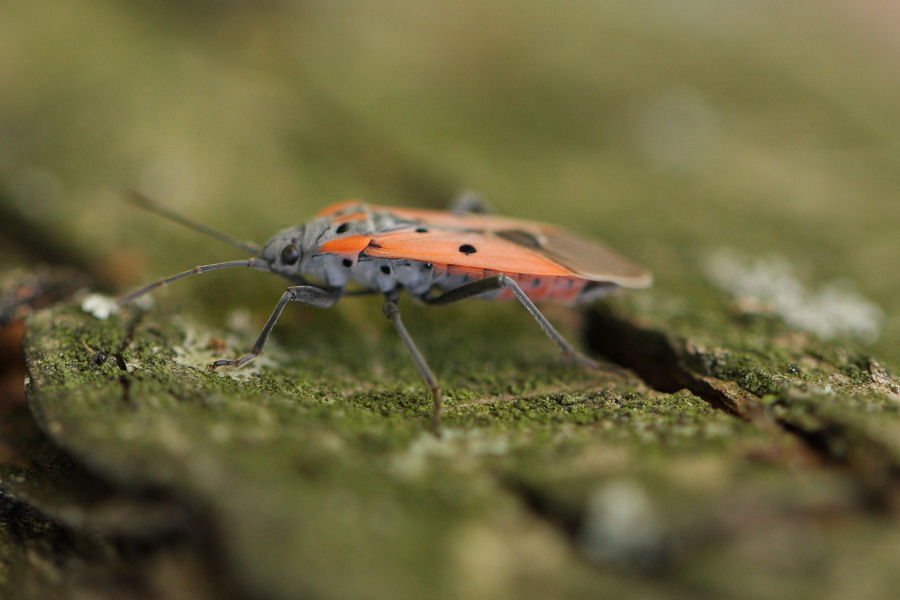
(767, 285)
(100, 306)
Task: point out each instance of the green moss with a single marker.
(314, 471)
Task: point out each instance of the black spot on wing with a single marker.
(467, 249)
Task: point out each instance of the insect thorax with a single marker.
(380, 274)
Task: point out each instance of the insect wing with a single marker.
(585, 258)
(474, 250)
(471, 221)
(592, 260)
(503, 244)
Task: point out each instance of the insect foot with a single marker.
(238, 362)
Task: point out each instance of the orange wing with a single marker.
(584, 258)
(503, 243)
(476, 221)
(438, 218)
(465, 249)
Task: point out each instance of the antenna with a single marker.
(250, 262)
(146, 203)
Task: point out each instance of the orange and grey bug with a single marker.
(438, 257)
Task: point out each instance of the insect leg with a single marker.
(464, 292)
(308, 294)
(392, 312)
(500, 281)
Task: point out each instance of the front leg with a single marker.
(307, 294)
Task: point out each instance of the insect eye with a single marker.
(290, 254)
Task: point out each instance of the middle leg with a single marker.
(392, 312)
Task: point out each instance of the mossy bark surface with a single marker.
(545, 479)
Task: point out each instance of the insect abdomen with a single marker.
(418, 277)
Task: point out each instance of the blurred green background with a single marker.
(670, 129)
(746, 152)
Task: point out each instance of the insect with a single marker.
(437, 257)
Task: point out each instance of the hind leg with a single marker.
(489, 284)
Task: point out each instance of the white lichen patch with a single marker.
(240, 320)
(767, 285)
(102, 307)
(99, 306)
(622, 525)
(201, 347)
